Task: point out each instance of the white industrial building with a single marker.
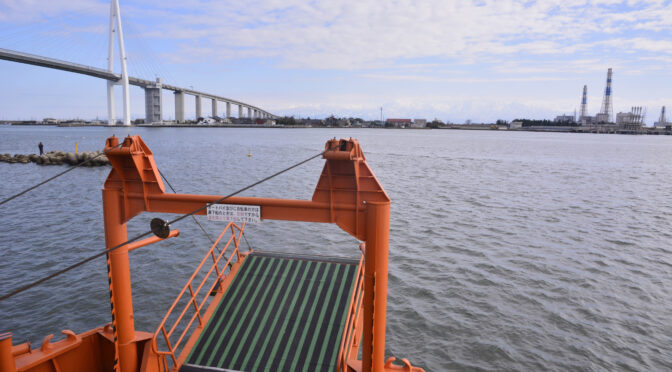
(419, 123)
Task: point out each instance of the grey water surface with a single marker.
(508, 250)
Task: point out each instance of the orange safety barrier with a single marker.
(193, 302)
(352, 331)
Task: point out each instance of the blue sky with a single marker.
(451, 60)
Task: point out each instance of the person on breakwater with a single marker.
(41, 146)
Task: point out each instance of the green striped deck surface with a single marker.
(280, 313)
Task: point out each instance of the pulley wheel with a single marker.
(160, 228)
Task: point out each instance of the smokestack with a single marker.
(606, 102)
(662, 119)
(584, 103)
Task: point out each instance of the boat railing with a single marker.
(352, 331)
(190, 300)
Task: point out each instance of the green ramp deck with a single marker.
(280, 313)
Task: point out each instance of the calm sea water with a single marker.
(508, 251)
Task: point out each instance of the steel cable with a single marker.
(194, 217)
(198, 223)
(140, 236)
(58, 175)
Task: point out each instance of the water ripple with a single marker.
(508, 251)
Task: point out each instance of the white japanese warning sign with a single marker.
(235, 213)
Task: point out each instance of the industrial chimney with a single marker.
(607, 112)
(584, 104)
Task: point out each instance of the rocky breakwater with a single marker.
(58, 158)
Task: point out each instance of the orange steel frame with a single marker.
(347, 194)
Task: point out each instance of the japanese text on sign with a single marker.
(235, 213)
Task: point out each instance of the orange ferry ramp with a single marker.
(281, 312)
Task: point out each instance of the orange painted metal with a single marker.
(87, 351)
(353, 324)
(344, 186)
(356, 366)
(21, 348)
(375, 285)
(154, 239)
(122, 311)
(6, 354)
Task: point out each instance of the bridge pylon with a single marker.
(115, 25)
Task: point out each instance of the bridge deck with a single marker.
(33, 59)
(280, 313)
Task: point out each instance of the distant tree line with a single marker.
(544, 123)
(286, 120)
(331, 121)
(435, 124)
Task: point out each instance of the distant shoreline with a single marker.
(481, 127)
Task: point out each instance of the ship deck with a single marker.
(281, 312)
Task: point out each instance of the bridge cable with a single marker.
(149, 56)
(48, 32)
(140, 236)
(58, 175)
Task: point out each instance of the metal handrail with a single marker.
(353, 321)
(193, 303)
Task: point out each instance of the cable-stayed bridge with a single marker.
(153, 97)
(152, 88)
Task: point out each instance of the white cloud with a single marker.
(21, 11)
(361, 34)
(434, 79)
(425, 42)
